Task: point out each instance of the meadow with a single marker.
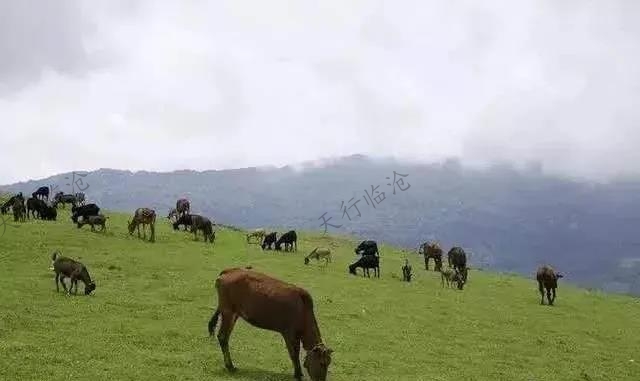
(147, 318)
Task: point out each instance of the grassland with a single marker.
(147, 318)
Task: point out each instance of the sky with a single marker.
(164, 85)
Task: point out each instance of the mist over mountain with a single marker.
(508, 220)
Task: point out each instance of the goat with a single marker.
(319, 253)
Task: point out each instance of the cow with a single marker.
(458, 260)
(61, 198)
(366, 262)
(367, 248)
(84, 211)
(19, 211)
(144, 217)
(289, 239)
(49, 213)
(432, 250)
(41, 193)
(35, 205)
(183, 206)
(271, 304)
(269, 240)
(99, 220)
(201, 223)
(547, 279)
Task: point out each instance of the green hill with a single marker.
(147, 318)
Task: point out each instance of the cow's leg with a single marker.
(554, 294)
(228, 321)
(57, 280)
(541, 289)
(378, 268)
(426, 263)
(293, 346)
(64, 286)
(152, 227)
(549, 298)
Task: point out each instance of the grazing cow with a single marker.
(406, 271)
(366, 262)
(258, 233)
(432, 250)
(35, 205)
(367, 248)
(184, 220)
(99, 220)
(144, 217)
(319, 253)
(547, 279)
(274, 305)
(269, 240)
(84, 211)
(61, 198)
(41, 193)
(19, 211)
(11, 201)
(201, 223)
(458, 260)
(49, 213)
(67, 267)
(289, 239)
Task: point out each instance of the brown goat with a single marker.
(274, 305)
(67, 267)
(547, 279)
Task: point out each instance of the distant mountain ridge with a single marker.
(509, 220)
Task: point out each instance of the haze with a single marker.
(164, 85)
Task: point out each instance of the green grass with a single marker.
(147, 318)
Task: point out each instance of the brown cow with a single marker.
(432, 250)
(274, 305)
(547, 279)
(144, 217)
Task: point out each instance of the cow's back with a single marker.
(259, 299)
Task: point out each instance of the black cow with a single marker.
(458, 260)
(184, 219)
(366, 262)
(269, 240)
(367, 248)
(84, 211)
(9, 203)
(35, 205)
(49, 213)
(202, 223)
(41, 193)
(61, 198)
(290, 240)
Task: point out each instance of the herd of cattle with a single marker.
(284, 307)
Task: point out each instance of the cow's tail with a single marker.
(213, 321)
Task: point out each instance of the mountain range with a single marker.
(507, 219)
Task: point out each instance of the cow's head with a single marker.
(317, 362)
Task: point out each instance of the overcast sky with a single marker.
(163, 85)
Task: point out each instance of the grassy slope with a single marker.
(147, 318)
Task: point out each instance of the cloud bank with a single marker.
(161, 85)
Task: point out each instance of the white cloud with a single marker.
(162, 85)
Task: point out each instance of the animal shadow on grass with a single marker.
(252, 374)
